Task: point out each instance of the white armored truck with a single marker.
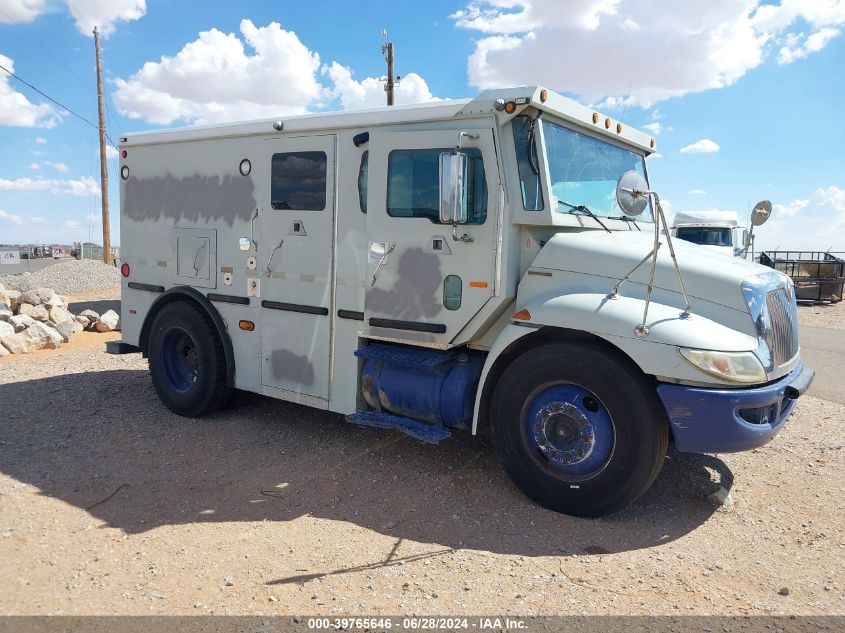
(488, 265)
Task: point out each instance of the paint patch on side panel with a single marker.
(416, 293)
(286, 365)
(190, 199)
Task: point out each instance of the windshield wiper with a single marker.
(582, 209)
(625, 218)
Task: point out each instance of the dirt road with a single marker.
(111, 504)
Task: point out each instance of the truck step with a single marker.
(417, 430)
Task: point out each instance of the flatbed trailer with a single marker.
(818, 276)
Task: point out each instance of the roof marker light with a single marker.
(544, 94)
(510, 107)
(607, 123)
(619, 128)
(652, 143)
(595, 117)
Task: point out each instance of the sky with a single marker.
(744, 97)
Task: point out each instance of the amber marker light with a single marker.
(619, 128)
(510, 107)
(607, 123)
(478, 284)
(522, 315)
(247, 326)
(595, 117)
(652, 143)
(544, 94)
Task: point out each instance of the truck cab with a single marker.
(718, 231)
(458, 266)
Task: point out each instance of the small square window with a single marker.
(298, 181)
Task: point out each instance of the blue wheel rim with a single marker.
(569, 430)
(180, 359)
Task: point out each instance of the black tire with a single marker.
(184, 325)
(640, 431)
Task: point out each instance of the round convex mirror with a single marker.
(762, 211)
(631, 193)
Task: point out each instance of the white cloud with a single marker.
(265, 71)
(105, 14)
(72, 224)
(37, 220)
(215, 79)
(655, 155)
(369, 92)
(34, 166)
(813, 223)
(18, 111)
(704, 146)
(57, 166)
(614, 46)
(36, 152)
(654, 127)
(20, 11)
(85, 186)
(697, 192)
(10, 218)
(40, 140)
(111, 152)
(790, 209)
(797, 49)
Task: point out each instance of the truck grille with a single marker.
(784, 325)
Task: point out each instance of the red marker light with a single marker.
(124, 270)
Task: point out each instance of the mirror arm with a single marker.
(465, 238)
(472, 137)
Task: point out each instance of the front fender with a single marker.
(614, 320)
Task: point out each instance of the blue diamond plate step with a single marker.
(417, 430)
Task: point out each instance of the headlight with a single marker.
(742, 367)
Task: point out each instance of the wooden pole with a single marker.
(104, 172)
(389, 56)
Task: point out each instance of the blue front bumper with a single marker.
(731, 420)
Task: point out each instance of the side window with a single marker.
(413, 184)
(298, 181)
(362, 180)
(526, 160)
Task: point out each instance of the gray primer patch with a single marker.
(416, 293)
(191, 199)
(288, 366)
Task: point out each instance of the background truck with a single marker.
(479, 265)
(719, 231)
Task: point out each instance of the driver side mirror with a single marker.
(453, 190)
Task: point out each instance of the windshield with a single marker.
(584, 170)
(706, 236)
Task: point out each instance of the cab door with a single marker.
(296, 260)
(426, 280)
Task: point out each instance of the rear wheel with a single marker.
(577, 428)
(187, 361)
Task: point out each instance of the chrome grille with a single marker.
(783, 335)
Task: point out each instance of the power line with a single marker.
(61, 105)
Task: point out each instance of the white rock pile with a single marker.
(39, 318)
(69, 277)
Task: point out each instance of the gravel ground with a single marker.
(828, 315)
(74, 276)
(111, 504)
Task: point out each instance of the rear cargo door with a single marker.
(296, 260)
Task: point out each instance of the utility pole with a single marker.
(104, 171)
(391, 82)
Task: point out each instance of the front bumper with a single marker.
(731, 420)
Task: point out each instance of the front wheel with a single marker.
(187, 361)
(577, 428)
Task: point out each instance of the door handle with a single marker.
(272, 255)
(380, 262)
